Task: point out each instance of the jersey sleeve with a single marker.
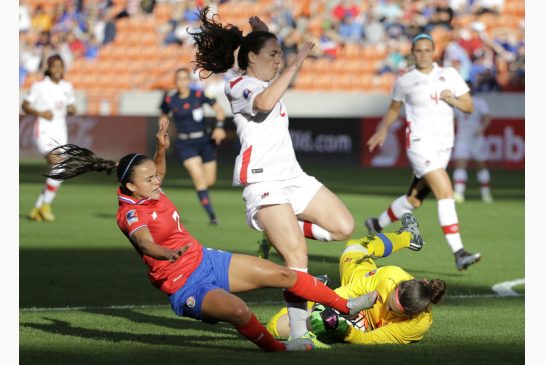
(34, 93)
(70, 95)
(242, 95)
(460, 86)
(165, 104)
(403, 332)
(399, 92)
(131, 220)
(204, 99)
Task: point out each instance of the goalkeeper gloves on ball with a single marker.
(326, 320)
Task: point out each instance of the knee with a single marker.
(240, 314)
(414, 201)
(345, 228)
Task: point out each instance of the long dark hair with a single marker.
(216, 45)
(76, 160)
(416, 295)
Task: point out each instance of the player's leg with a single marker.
(459, 176)
(439, 182)
(483, 177)
(196, 170)
(49, 193)
(326, 218)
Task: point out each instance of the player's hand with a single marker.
(302, 54)
(447, 96)
(71, 109)
(163, 140)
(175, 254)
(377, 139)
(218, 135)
(48, 114)
(257, 24)
(326, 320)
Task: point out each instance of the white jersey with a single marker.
(267, 152)
(430, 119)
(467, 125)
(47, 95)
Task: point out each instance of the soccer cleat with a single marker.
(487, 198)
(35, 214)
(263, 247)
(324, 279)
(214, 222)
(410, 224)
(46, 213)
(299, 344)
(317, 343)
(360, 303)
(463, 259)
(459, 198)
(372, 225)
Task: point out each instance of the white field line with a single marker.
(503, 291)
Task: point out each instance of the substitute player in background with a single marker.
(196, 145)
(199, 281)
(50, 101)
(430, 93)
(471, 145)
(281, 199)
(403, 312)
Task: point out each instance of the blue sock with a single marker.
(204, 199)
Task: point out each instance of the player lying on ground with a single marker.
(403, 311)
(198, 280)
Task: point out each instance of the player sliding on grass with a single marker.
(402, 313)
(198, 280)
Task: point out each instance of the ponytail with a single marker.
(415, 296)
(75, 160)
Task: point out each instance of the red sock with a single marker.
(310, 288)
(258, 334)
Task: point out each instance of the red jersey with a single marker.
(163, 221)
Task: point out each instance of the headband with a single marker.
(422, 36)
(129, 165)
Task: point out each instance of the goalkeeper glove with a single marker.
(326, 320)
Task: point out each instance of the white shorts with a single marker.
(47, 139)
(424, 160)
(470, 148)
(298, 192)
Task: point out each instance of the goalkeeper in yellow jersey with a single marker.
(403, 311)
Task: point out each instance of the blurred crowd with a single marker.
(492, 59)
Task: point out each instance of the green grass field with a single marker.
(84, 296)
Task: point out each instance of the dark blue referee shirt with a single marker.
(187, 113)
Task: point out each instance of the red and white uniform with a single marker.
(266, 164)
(266, 149)
(430, 120)
(163, 221)
(470, 142)
(47, 95)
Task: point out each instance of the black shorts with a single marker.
(204, 147)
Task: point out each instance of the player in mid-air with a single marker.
(199, 281)
(50, 100)
(403, 312)
(281, 199)
(196, 145)
(430, 93)
(470, 145)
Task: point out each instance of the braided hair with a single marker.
(75, 160)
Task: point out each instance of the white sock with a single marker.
(297, 313)
(398, 207)
(460, 179)
(51, 187)
(40, 200)
(314, 231)
(483, 177)
(449, 223)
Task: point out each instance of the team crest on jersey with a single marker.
(370, 273)
(246, 93)
(190, 302)
(131, 217)
(264, 195)
(154, 215)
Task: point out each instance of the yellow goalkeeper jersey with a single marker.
(382, 326)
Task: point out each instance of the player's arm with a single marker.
(144, 243)
(28, 109)
(463, 102)
(163, 142)
(266, 100)
(218, 134)
(485, 122)
(392, 333)
(71, 109)
(379, 137)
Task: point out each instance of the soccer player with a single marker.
(281, 199)
(50, 100)
(199, 281)
(196, 145)
(430, 93)
(470, 145)
(401, 315)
